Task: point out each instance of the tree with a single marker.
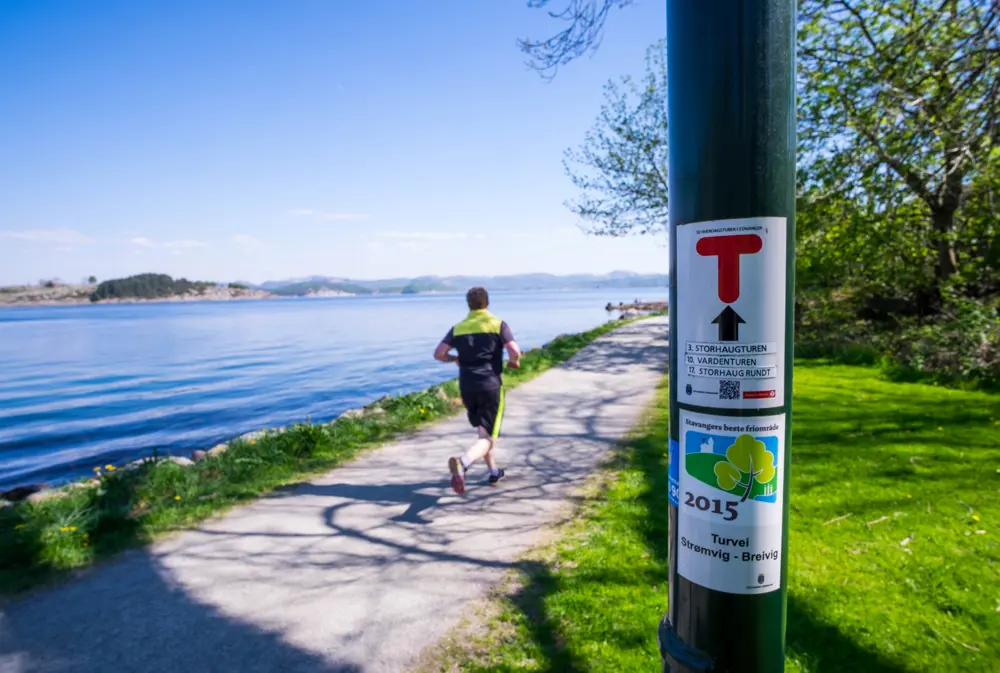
(91, 280)
(748, 462)
(899, 105)
(586, 20)
(621, 167)
(899, 135)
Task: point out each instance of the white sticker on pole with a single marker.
(730, 502)
(730, 313)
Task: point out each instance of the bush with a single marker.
(827, 325)
(961, 347)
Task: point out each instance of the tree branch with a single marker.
(586, 20)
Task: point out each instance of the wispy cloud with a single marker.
(343, 217)
(61, 237)
(414, 246)
(176, 246)
(186, 244)
(327, 216)
(423, 235)
(247, 242)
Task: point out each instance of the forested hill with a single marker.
(535, 281)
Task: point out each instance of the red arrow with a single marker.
(728, 249)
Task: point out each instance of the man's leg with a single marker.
(458, 465)
(491, 462)
(481, 448)
(493, 424)
(485, 409)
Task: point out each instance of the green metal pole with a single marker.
(731, 106)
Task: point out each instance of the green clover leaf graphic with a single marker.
(747, 461)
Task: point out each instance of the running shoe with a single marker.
(457, 475)
(495, 478)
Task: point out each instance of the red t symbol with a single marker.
(728, 249)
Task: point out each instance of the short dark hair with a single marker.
(477, 298)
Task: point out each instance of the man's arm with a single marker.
(441, 353)
(513, 351)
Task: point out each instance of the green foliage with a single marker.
(621, 166)
(961, 348)
(958, 345)
(898, 174)
(238, 286)
(897, 109)
(147, 286)
(892, 557)
(130, 507)
(91, 280)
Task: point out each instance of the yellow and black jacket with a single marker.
(479, 340)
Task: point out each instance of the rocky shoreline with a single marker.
(79, 295)
(38, 492)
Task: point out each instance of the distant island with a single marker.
(145, 287)
(155, 287)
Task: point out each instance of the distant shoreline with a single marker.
(223, 295)
(161, 300)
(80, 297)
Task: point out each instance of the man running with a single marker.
(480, 340)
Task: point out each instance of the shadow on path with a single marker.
(141, 623)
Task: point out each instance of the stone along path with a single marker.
(357, 571)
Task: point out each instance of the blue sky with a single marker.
(256, 140)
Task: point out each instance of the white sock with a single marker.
(465, 466)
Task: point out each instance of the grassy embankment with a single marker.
(129, 508)
(894, 553)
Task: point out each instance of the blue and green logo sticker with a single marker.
(744, 466)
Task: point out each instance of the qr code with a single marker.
(729, 390)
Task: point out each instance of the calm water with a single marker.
(89, 385)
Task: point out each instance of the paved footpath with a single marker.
(357, 571)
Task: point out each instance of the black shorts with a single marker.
(485, 409)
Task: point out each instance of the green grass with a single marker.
(128, 508)
(888, 570)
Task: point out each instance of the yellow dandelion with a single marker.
(253, 441)
(177, 497)
(64, 529)
(421, 411)
(109, 468)
(97, 469)
(975, 517)
(72, 529)
(940, 428)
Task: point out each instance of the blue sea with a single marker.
(88, 385)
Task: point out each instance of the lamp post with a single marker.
(731, 107)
